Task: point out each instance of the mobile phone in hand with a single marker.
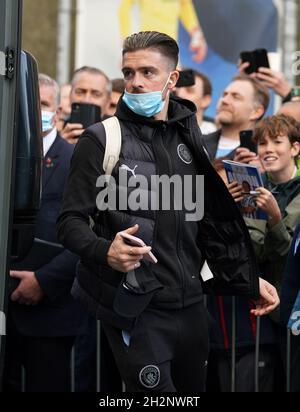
(249, 57)
(85, 113)
(186, 78)
(261, 56)
(246, 140)
(136, 241)
(256, 59)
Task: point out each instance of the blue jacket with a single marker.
(291, 280)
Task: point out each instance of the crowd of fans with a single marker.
(241, 106)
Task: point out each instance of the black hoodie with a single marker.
(175, 240)
(164, 149)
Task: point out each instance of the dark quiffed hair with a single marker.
(153, 40)
(261, 92)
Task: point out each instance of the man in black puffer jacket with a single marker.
(153, 314)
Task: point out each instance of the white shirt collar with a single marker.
(48, 140)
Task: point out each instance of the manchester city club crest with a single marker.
(184, 154)
(150, 376)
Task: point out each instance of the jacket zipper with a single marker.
(155, 212)
(177, 218)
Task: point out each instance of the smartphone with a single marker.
(256, 59)
(247, 56)
(246, 140)
(136, 241)
(261, 56)
(85, 113)
(186, 78)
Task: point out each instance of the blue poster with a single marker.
(229, 27)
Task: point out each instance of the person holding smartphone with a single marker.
(153, 314)
(270, 78)
(89, 85)
(243, 102)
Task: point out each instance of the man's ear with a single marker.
(205, 102)
(295, 149)
(57, 116)
(173, 79)
(257, 113)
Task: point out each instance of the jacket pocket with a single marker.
(229, 256)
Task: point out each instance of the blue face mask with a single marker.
(47, 118)
(145, 104)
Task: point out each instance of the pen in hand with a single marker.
(251, 193)
(256, 193)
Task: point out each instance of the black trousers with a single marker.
(166, 351)
(46, 361)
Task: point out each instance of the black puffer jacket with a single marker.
(155, 147)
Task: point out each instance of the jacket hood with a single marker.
(179, 109)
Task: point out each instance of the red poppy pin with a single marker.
(49, 162)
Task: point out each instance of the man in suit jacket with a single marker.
(243, 103)
(43, 317)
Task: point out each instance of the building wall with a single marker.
(40, 33)
(290, 29)
(298, 35)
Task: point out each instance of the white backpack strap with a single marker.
(113, 144)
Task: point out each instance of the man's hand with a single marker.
(243, 155)
(274, 80)
(268, 301)
(270, 78)
(123, 257)
(242, 66)
(235, 189)
(267, 202)
(28, 291)
(71, 132)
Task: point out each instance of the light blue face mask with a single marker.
(47, 118)
(145, 104)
